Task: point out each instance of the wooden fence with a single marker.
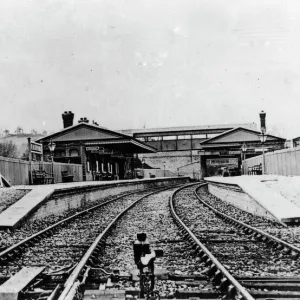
(16, 171)
(282, 162)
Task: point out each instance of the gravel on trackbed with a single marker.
(69, 243)
(290, 234)
(152, 216)
(10, 196)
(239, 253)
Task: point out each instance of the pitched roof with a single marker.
(244, 135)
(93, 133)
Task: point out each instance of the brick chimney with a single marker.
(83, 120)
(68, 118)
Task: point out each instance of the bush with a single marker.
(8, 149)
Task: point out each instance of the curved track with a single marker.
(261, 262)
(199, 242)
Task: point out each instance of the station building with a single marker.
(104, 154)
(199, 151)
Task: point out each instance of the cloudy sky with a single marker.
(154, 63)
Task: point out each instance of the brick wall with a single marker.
(175, 160)
(234, 195)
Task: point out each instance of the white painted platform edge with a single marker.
(278, 206)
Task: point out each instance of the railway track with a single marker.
(60, 246)
(207, 254)
(240, 258)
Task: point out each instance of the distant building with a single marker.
(200, 151)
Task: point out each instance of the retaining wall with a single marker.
(234, 195)
(63, 200)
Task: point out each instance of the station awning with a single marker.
(124, 145)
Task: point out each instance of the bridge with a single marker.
(178, 147)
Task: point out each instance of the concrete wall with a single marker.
(61, 202)
(174, 160)
(234, 195)
(282, 162)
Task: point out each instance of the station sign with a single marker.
(36, 148)
(93, 148)
(222, 162)
(234, 152)
(99, 150)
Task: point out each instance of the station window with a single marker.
(184, 137)
(169, 137)
(199, 136)
(141, 139)
(88, 166)
(74, 152)
(155, 138)
(97, 166)
(212, 135)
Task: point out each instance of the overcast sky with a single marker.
(154, 63)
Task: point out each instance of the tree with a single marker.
(6, 132)
(34, 132)
(19, 130)
(44, 133)
(8, 149)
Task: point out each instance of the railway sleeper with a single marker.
(223, 284)
(217, 277)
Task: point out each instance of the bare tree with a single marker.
(19, 130)
(8, 149)
(34, 132)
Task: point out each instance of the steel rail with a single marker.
(287, 247)
(6, 254)
(71, 285)
(216, 270)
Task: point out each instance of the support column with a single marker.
(83, 161)
(202, 166)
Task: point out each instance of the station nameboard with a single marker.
(99, 150)
(36, 148)
(93, 148)
(222, 162)
(234, 152)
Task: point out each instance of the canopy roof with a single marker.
(91, 134)
(236, 137)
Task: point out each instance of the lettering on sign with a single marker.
(222, 162)
(234, 152)
(93, 148)
(36, 148)
(106, 151)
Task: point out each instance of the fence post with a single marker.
(30, 160)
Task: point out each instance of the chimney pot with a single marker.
(68, 118)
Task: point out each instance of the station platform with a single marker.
(38, 194)
(251, 194)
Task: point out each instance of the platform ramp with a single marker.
(250, 194)
(11, 288)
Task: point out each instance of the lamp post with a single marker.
(164, 169)
(51, 146)
(244, 149)
(263, 137)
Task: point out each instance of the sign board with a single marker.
(36, 148)
(99, 150)
(222, 162)
(234, 152)
(93, 148)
